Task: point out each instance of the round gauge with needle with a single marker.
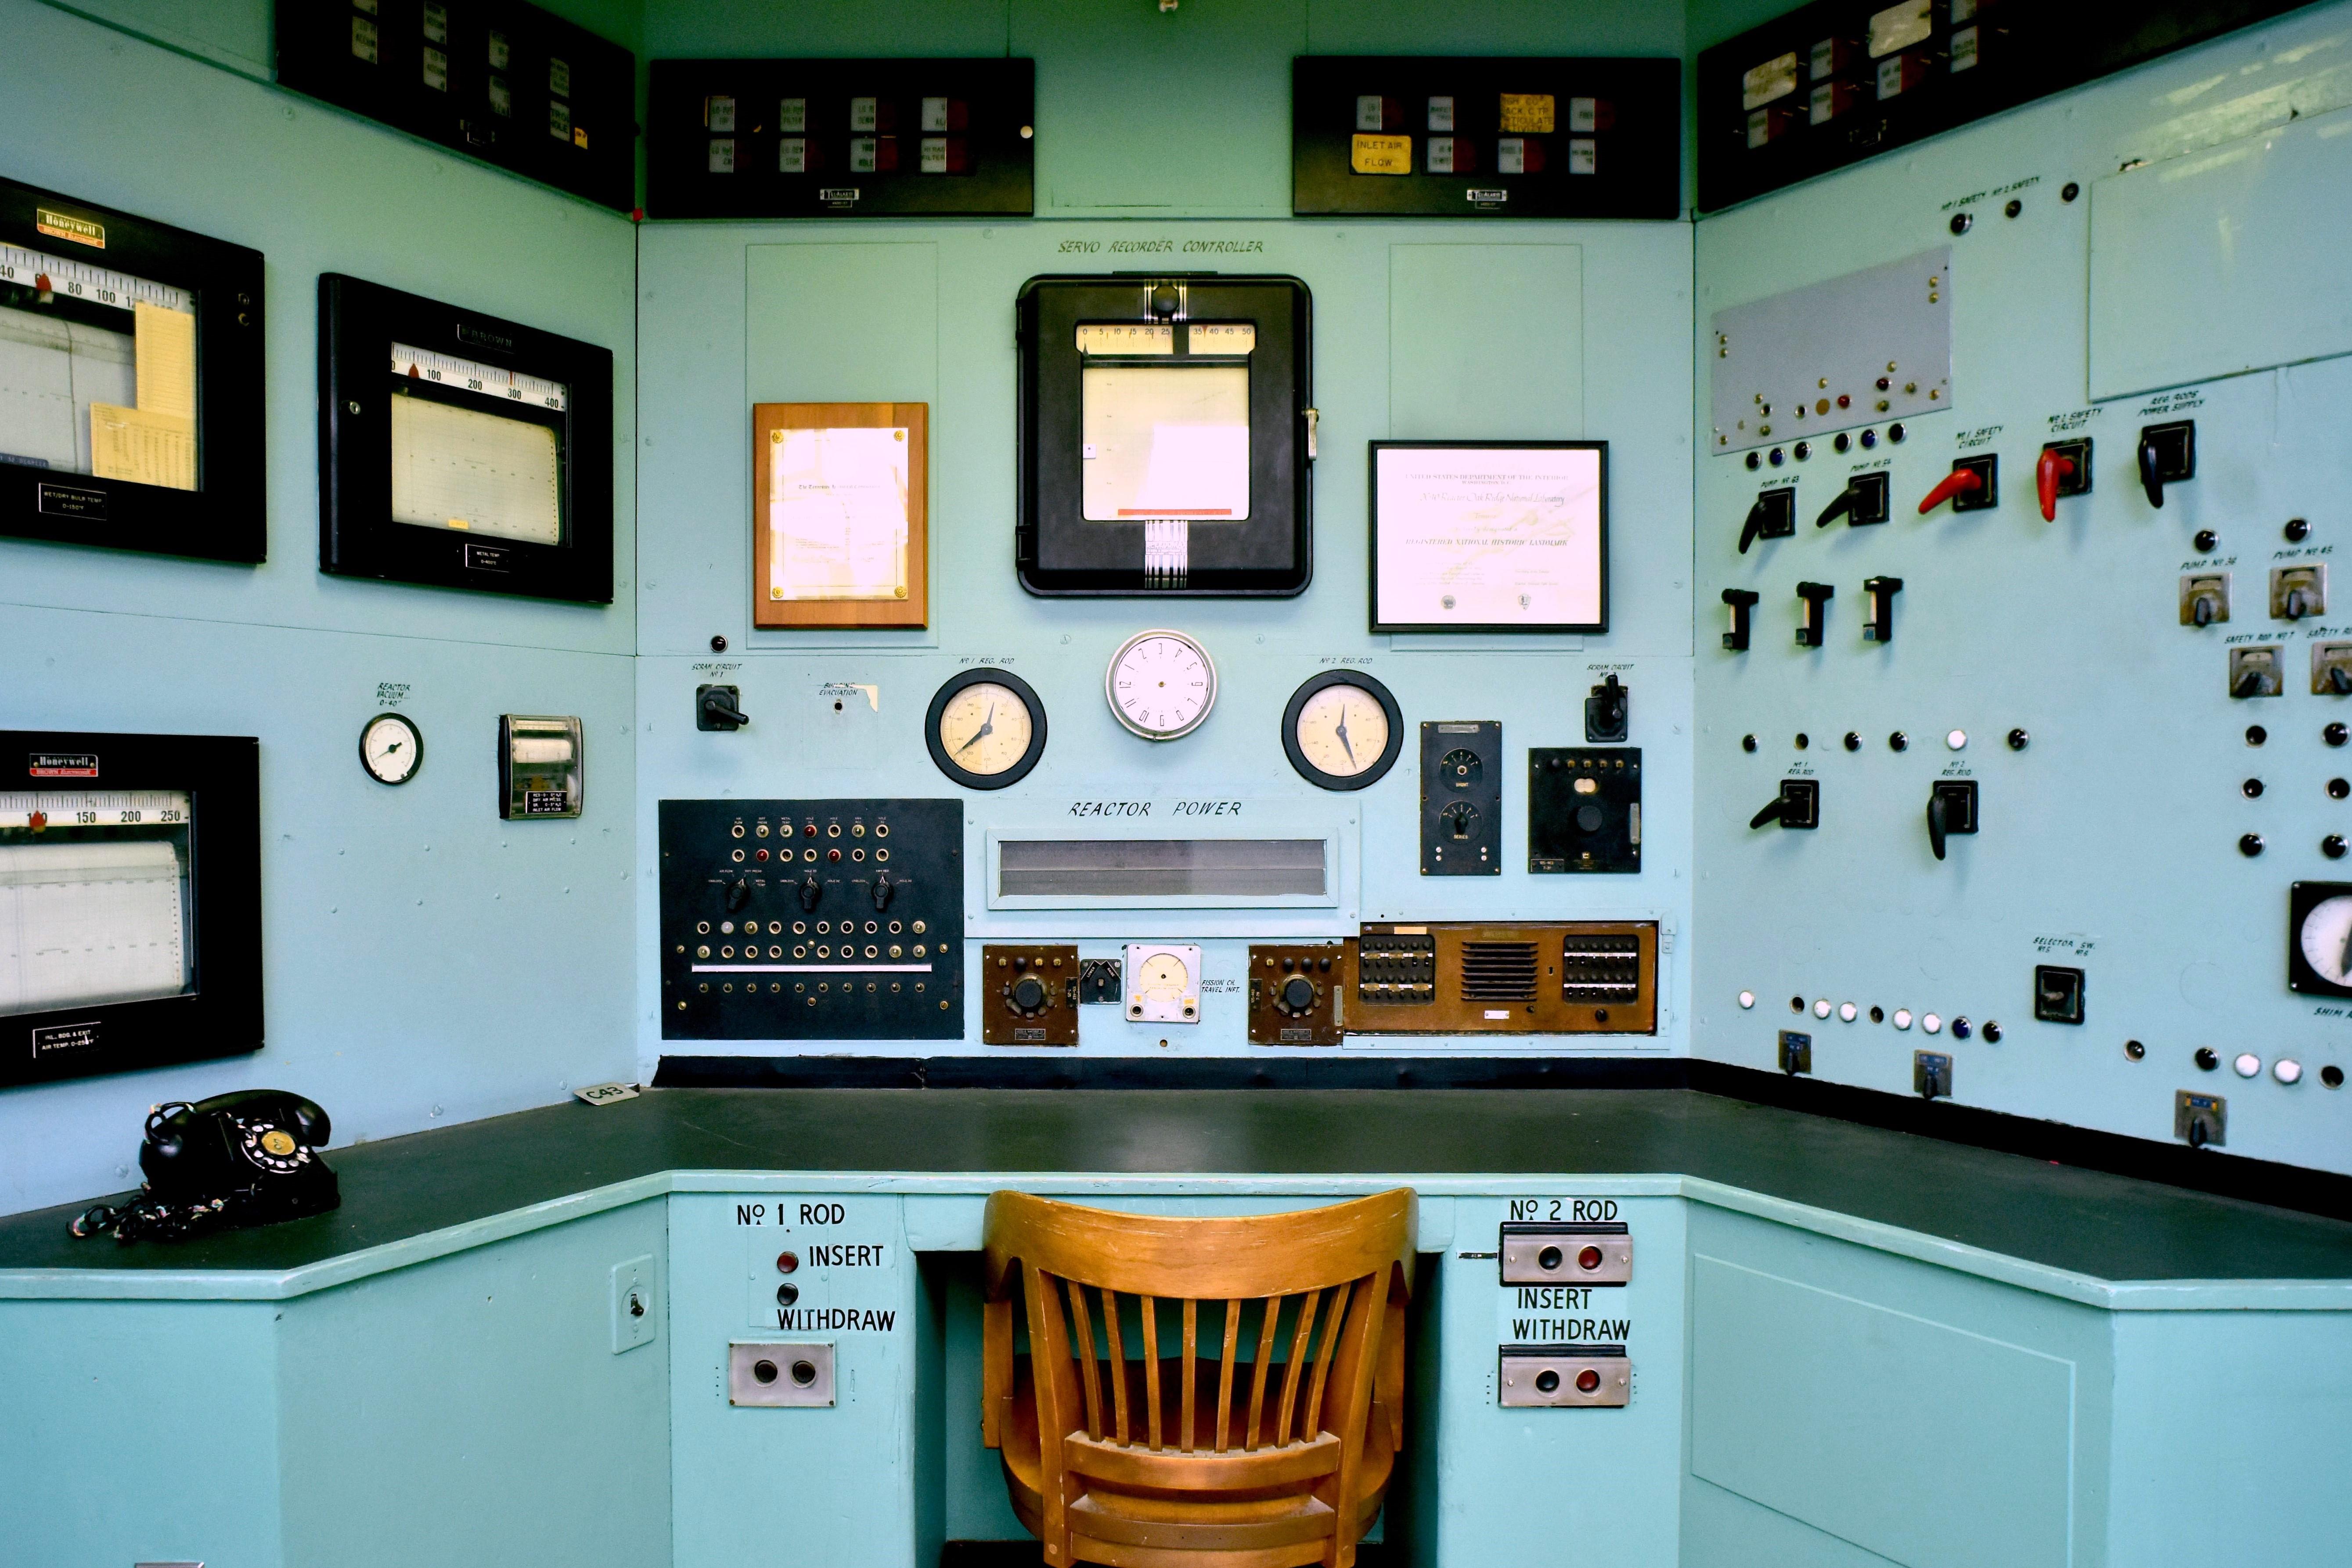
(1161, 684)
(1342, 730)
(391, 748)
(2323, 938)
(986, 729)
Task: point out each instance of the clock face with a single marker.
(1161, 684)
(391, 748)
(1343, 731)
(986, 729)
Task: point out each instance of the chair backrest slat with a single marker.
(1151, 1373)
(1225, 1373)
(1189, 1356)
(1258, 1370)
(1118, 1361)
(1340, 1297)
(1299, 1336)
(1083, 1333)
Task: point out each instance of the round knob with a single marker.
(2333, 846)
(1164, 301)
(1589, 1259)
(1546, 1381)
(764, 1371)
(1298, 993)
(1028, 994)
(2207, 1060)
(1991, 1032)
(2336, 734)
(1587, 1381)
(1588, 819)
(1549, 1258)
(2250, 845)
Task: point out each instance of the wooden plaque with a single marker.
(814, 571)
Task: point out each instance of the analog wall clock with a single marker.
(1342, 730)
(1161, 684)
(986, 729)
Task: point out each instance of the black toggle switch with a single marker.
(810, 890)
(1951, 808)
(884, 888)
(1862, 502)
(1607, 711)
(1799, 804)
(1878, 620)
(719, 708)
(1742, 602)
(1813, 619)
(738, 893)
(2168, 454)
(1774, 516)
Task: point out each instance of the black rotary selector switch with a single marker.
(2168, 454)
(719, 708)
(884, 888)
(1028, 994)
(1297, 994)
(810, 891)
(1951, 808)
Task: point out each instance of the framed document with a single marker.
(1489, 536)
(839, 493)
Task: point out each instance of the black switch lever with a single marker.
(884, 888)
(1799, 804)
(738, 893)
(1814, 616)
(1742, 601)
(1606, 711)
(1951, 808)
(1774, 516)
(1862, 502)
(2168, 454)
(1878, 622)
(810, 890)
(718, 707)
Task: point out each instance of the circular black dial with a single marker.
(1460, 768)
(1342, 730)
(986, 729)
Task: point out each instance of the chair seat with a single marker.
(1277, 1522)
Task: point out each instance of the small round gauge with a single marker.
(986, 729)
(2325, 939)
(1161, 684)
(1342, 730)
(392, 748)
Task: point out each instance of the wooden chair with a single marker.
(1118, 1452)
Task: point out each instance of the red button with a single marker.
(1589, 1259)
(786, 1262)
(1587, 1381)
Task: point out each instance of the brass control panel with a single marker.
(1297, 993)
(1029, 995)
(1553, 977)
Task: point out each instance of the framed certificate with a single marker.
(1489, 536)
(839, 493)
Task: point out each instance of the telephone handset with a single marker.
(246, 1158)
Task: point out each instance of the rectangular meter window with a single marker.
(129, 909)
(1166, 436)
(129, 381)
(462, 450)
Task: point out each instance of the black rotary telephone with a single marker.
(246, 1158)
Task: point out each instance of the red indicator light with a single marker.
(759, 854)
(1587, 1381)
(1589, 1259)
(787, 1262)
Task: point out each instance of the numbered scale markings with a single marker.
(448, 369)
(92, 808)
(80, 280)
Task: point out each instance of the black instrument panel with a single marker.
(798, 919)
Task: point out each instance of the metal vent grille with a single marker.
(1498, 971)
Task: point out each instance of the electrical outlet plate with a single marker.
(1164, 983)
(1461, 798)
(637, 1303)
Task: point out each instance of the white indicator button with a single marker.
(1845, 1011)
(1822, 1008)
(2248, 1065)
(1932, 1024)
(1957, 739)
(1747, 999)
(1903, 1018)
(2286, 1069)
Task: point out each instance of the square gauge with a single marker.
(1164, 983)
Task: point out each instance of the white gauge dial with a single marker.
(1161, 684)
(984, 728)
(2326, 940)
(391, 748)
(1343, 731)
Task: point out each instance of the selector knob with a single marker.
(810, 890)
(1298, 993)
(738, 893)
(884, 889)
(1028, 994)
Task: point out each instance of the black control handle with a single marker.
(719, 708)
(1757, 515)
(884, 889)
(1839, 507)
(810, 890)
(1742, 601)
(738, 893)
(1771, 812)
(2150, 479)
(1937, 820)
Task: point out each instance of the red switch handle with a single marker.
(1958, 482)
(2054, 466)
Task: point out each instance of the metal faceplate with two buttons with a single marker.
(1540, 1376)
(796, 1373)
(1597, 1253)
